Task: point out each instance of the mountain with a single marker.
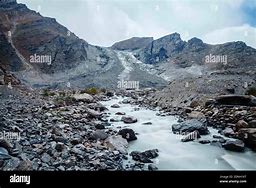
(132, 43)
(61, 56)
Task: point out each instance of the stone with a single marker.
(204, 141)
(228, 132)
(128, 134)
(248, 135)
(25, 165)
(120, 113)
(117, 143)
(100, 126)
(241, 124)
(115, 106)
(236, 145)
(99, 135)
(243, 100)
(60, 146)
(152, 167)
(191, 136)
(252, 124)
(145, 156)
(129, 119)
(4, 155)
(189, 126)
(147, 123)
(46, 158)
(83, 97)
(97, 107)
(196, 115)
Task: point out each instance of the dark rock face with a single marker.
(244, 100)
(145, 156)
(128, 134)
(190, 126)
(132, 43)
(236, 145)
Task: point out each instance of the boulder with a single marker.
(241, 124)
(252, 124)
(191, 136)
(120, 113)
(83, 97)
(228, 132)
(248, 135)
(196, 115)
(97, 107)
(93, 113)
(129, 119)
(128, 134)
(115, 106)
(244, 100)
(236, 145)
(189, 126)
(204, 141)
(145, 156)
(117, 143)
(99, 135)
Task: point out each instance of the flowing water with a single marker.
(174, 154)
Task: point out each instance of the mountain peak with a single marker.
(3, 2)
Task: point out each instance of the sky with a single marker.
(104, 22)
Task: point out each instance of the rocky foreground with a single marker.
(68, 130)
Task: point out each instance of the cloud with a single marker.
(244, 33)
(103, 22)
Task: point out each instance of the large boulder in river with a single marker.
(244, 100)
(117, 143)
(248, 135)
(236, 145)
(145, 156)
(128, 134)
(99, 135)
(129, 119)
(189, 126)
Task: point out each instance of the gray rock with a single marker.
(236, 145)
(46, 158)
(129, 119)
(117, 143)
(115, 106)
(152, 167)
(190, 126)
(83, 97)
(128, 134)
(99, 135)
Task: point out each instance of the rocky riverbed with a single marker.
(71, 130)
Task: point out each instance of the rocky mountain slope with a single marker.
(133, 43)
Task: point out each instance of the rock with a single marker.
(83, 97)
(4, 155)
(241, 124)
(62, 126)
(204, 141)
(117, 143)
(97, 107)
(191, 136)
(152, 167)
(236, 145)
(244, 100)
(115, 106)
(194, 104)
(228, 132)
(59, 146)
(147, 123)
(248, 135)
(196, 115)
(100, 126)
(120, 113)
(126, 101)
(25, 166)
(252, 124)
(6, 144)
(46, 158)
(115, 119)
(210, 102)
(78, 149)
(128, 134)
(145, 156)
(99, 135)
(129, 119)
(189, 126)
(109, 94)
(12, 164)
(217, 136)
(93, 113)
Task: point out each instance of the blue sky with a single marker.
(103, 22)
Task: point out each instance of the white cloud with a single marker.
(244, 33)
